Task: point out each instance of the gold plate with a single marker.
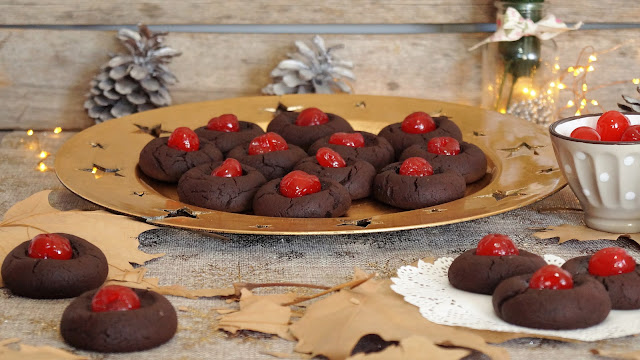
(100, 165)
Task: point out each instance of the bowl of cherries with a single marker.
(599, 156)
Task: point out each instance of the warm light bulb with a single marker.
(503, 111)
(636, 81)
(583, 102)
(29, 132)
(590, 68)
(43, 155)
(552, 84)
(94, 170)
(584, 87)
(570, 103)
(549, 92)
(594, 102)
(42, 167)
(571, 69)
(593, 58)
(562, 86)
(533, 93)
(525, 90)
(57, 130)
(576, 73)
(577, 113)
(581, 69)
(556, 66)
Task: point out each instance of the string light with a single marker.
(636, 81)
(43, 155)
(94, 170)
(57, 130)
(42, 167)
(29, 132)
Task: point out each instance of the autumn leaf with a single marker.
(632, 355)
(332, 326)
(24, 351)
(568, 232)
(413, 347)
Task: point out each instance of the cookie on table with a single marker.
(54, 266)
(224, 186)
(168, 158)
(614, 268)
(227, 132)
(118, 319)
(305, 127)
(300, 195)
(495, 259)
(417, 128)
(359, 145)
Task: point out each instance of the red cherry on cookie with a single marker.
(585, 133)
(329, 158)
(355, 140)
(418, 123)
(229, 168)
(611, 261)
(298, 183)
(551, 277)
(115, 298)
(266, 143)
(443, 145)
(50, 246)
(631, 134)
(611, 125)
(184, 139)
(496, 245)
(311, 117)
(416, 166)
(224, 123)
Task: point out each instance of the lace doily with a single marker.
(427, 287)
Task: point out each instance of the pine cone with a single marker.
(632, 105)
(134, 82)
(311, 71)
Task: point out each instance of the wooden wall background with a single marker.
(45, 70)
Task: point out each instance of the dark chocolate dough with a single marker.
(304, 136)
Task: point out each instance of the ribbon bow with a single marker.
(514, 26)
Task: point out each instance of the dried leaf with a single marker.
(332, 326)
(413, 347)
(262, 314)
(34, 352)
(633, 355)
(568, 232)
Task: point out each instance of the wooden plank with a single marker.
(44, 74)
(87, 12)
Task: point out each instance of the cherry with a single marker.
(329, 158)
(418, 123)
(443, 145)
(115, 298)
(355, 140)
(416, 166)
(229, 168)
(298, 183)
(611, 261)
(50, 246)
(631, 134)
(184, 139)
(551, 277)
(585, 133)
(224, 123)
(312, 116)
(266, 143)
(611, 125)
(496, 245)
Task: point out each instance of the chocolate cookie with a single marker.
(231, 194)
(356, 177)
(273, 164)
(151, 325)
(623, 289)
(55, 279)
(332, 201)
(225, 141)
(160, 162)
(414, 192)
(377, 151)
(401, 140)
(471, 162)
(586, 304)
(481, 274)
(303, 136)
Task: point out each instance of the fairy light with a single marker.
(570, 103)
(43, 155)
(584, 87)
(525, 90)
(636, 81)
(94, 170)
(593, 58)
(533, 93)
(594, 102)
(29, 132)
(42, 167)
(562, 86)
(57, 130)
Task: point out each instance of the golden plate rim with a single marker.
(525, 169)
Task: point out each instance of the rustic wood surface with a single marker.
(87, 12)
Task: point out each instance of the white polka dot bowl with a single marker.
(604, 176)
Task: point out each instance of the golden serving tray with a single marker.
(100, 165)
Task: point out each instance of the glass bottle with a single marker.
(520, 77)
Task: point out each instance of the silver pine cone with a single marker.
(632, 105)
(134, 82)
(312, 69)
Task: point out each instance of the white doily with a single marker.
(427, 287)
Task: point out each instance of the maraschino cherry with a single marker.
(416, 166)
(184, 139)
(418, 122)
(115, 298)
(631, 134)
(330, 159)
(585, 133)
(355, 140)
(611, 125)
(266, 143)
(229, 168)
(224, 123)
(551, 277)
(496, 245)
(298, 183)
(611, 261)
(443, 145)
(311, 117)
(50, 246)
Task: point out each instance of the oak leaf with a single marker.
(24, 351)
(568, 232)
(413, 347)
